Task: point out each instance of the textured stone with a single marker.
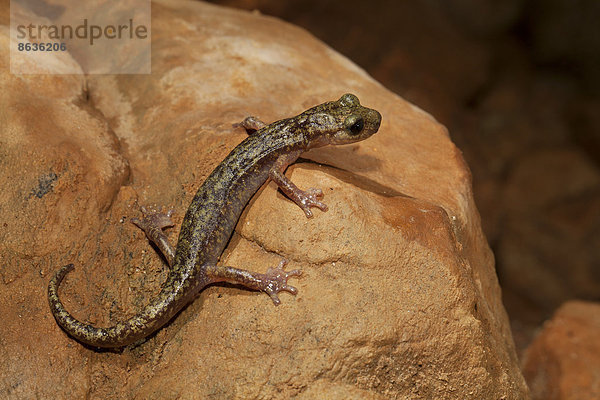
(563, 362)
(399, 296)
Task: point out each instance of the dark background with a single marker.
(517, 83)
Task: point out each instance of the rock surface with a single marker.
(399, 297)
(563, 362)
(556, 189)
(517, 86)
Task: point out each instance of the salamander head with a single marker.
(339, 122)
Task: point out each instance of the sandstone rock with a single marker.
(563, 362)
(538, 193)
(556, 189)
(399, 297)
(423, 33)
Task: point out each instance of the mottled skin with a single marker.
(215, 210)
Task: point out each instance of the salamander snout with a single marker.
(374, 118)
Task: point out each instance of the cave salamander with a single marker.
(214, 211)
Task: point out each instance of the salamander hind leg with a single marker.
(271, 282)
(153, 223)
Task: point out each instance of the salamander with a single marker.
(214, 211)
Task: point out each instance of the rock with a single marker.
(563, 362)
(555, 189)
(399, 296)
(538, 193)
(407, 64)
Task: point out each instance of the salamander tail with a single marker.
(119, 335)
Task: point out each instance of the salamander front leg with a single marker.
(152, 224)
(304, 198)
(251, 123)
(272, 282)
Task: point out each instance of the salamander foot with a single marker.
(310, 198)
(275, 281)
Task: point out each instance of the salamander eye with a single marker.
(357, 126)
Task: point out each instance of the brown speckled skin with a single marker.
(215, 210)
